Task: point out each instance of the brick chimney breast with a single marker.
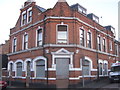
(61, 0)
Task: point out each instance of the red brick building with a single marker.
(55, 43)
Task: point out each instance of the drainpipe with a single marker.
(44, 32)
(97, 53)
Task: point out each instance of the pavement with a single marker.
(91, 84)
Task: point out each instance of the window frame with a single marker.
(24, 42)
(116, 49)
(99, 48)
(39, 66)
(110, 45)
(104, 44)
(28, 15)
(89, 41)
(17, 68)
(38, 35)
(67, 34)
(83, 38)
(14, 47)
(22, 18)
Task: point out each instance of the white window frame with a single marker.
(100, 61)
(24, 41)
(9, 67)
(57, 33)
(116, 48)
(111, 45)
(19, 60)
(104, 45)
(24, 12)
(83, 37)
(91, 39)
(25, 65)
(105, 62)
(30, 9)
(34, 64)
(13, 44)
(37, 36)
(99, 42)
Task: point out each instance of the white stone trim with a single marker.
(25, 65)
(37, 35)
(57, 32)
(59, 54)
(13, 44)
(83, 37)
(9, 65)
(71, 18)
(22, 18)
(28, 14)
(56, 45)
(15, 65)
(34, 63)
(24, 41)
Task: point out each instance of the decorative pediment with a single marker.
(62, 51)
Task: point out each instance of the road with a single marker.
(102, 84)
(112, 85)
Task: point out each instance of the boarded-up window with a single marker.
(40, 68)
(100, 69)
(105, 68)
(19, 69)
(28, 69)
(86, 68)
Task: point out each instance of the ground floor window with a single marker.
(28, 69)
(105, 68)
(19, 69)
(40, 68)
(86, 67)
(100, 69)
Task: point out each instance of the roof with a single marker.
(41, 9)
(77, 4)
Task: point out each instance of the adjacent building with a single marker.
(60, 43)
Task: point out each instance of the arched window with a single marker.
(19, 69)
(28, 70)
(86, 67)
(10, 69)
(40, 68)
(105, 68)
(100, 69)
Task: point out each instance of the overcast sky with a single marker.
(10, 11)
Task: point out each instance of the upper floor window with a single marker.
(39, 37)
(25, 43)
(89, 39)
(14, 45)
(104, 45)
(24, 19)
(30, 16)
(82, 38)
(26, 16)
(110, 45)
(116, 49)
(99, 43)
(62, 34)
